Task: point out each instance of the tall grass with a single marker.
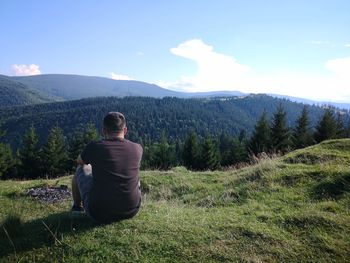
(293, 208)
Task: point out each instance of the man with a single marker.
(107, 183)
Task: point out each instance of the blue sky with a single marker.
(297, 48)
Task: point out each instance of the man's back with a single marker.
(115, 167)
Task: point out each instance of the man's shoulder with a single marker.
(93, 143)
(133, 144)
(108, 143)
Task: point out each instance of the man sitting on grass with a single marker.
(107, 183)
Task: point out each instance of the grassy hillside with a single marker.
(14, 93)
(72, 87)
(292, 209)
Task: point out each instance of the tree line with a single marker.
(57, 156)
(148, 118)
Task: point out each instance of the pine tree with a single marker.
(165, 155)
(280, 133)
(29, 155)
(302, 136)
(238, 151)
(6, 161)
(209, 157)
(225, 145)
(341, 130)
(54, 154)
(260, 140)
(178, 152)
(347, 130)
(90, 134)
(242, 137)
(327, 127)
(76, 147)
(78, 143)
(190, 151)
(147, 157)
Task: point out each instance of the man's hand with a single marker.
(80, 161)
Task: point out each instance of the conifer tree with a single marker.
(79, 141)
(147, 156)
(238, 151)
(54, 154)
(76, 147)
(225, 145)
(341, 130)
(242, 137)
(90, 134)
(302, 136)
(6, 161)
(190, 151)
(327, 127)
(29, 155)
(178, 152)
(165, 155)
(280, 133)
(260, 140)
(209, 157)
(347, 130)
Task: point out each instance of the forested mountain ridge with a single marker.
(14, 93)
(72, 87)
(147, 118)
(62, 87)
(340, 105)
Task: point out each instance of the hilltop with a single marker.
(14, 93)
(66, 87)
(72, 87)
(293, 208)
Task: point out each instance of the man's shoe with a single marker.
(77, 209)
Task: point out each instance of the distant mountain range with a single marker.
(16, 91)
(313, 102)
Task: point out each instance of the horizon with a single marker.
(295, 99)
(295, 48)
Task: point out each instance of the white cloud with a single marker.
(320, 42)
(26, 70)
(339, 66)
(119, 76)
(215, 71)
(181, 85)
(347, 45)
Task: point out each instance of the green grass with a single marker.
(291, 209)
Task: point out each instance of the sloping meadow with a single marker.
(292, 209)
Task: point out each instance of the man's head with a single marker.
(114, 125)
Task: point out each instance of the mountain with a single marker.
(14, 93)
(212, 94)
(339, 105)
(71, 87)
(62, 87)
(148, 117)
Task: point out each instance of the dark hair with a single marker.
(114, 122)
